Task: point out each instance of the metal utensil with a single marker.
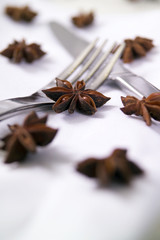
(121, 75)
(89, 55)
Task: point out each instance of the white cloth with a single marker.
(45, 198)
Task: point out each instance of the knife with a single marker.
(120, 75)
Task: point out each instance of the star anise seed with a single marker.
(83, 19)
(20, 50)
(147, 107)
(115, 168)
(20, 13)
(69, 97)
(25, 138)
(137, 47)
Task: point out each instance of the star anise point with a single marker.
(113, 169)
(20, 13)
(146, 107)
(25, 138)
(137, 47)
(83, 19)
(17, 51)
(69, 97)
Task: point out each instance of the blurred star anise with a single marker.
(83, 19)
(147, 107)
(67, 97)
(20, 13)
(25, 138)
(20, 50)
(115, 168)
(136, 48)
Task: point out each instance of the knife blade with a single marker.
(126, 79)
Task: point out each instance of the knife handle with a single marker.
(138, 85)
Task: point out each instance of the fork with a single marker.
(91, 60)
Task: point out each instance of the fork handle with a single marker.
(18, 110)
(136, 84)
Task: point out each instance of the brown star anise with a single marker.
(83, 19)
(20, 13)
(115, 168)
(25, 138)
(20, 50)
(67, 97)
(136, 48)
(147, 107)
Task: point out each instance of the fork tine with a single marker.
(99, 63)
(89, 62)
(70, 69)
(106, 71)
(94, 85)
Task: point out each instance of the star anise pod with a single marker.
(147, 107)
(20, 50)
(69, 97)
(25, 138)
(83, 19)
(115, 168)
(20, 13)
(136, 48)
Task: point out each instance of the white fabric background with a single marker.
(45, 198)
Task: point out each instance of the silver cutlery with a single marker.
(91, 54)
(85, 50)
(120, 74)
